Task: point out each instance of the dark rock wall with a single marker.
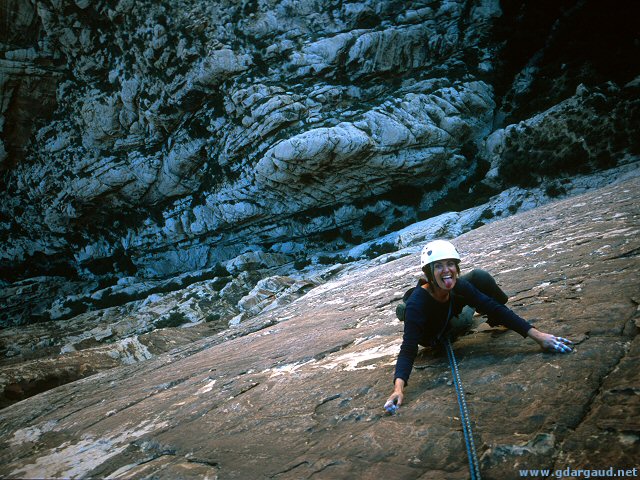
(555, 46)
(151, 139)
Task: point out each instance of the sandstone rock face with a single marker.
(170, 169)
(297, 392)
(148, 139)
(95, 328)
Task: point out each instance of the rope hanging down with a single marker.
(474, 467)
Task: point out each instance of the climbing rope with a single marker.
(474, 467)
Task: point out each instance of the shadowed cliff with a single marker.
(144, 143)
(297, 392)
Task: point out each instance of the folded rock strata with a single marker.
(148, 140)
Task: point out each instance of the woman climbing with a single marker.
(443, 307)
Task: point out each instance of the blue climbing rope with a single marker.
(474, 467)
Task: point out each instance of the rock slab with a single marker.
(297, 392)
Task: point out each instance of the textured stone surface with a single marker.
(151, 139)
(41, 356)
(99, 328)
(170, 169)
(297, 392)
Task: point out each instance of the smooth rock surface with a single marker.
(297, 392)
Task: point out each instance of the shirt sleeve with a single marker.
(497, 313)
(409, 348)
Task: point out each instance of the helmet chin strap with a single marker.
(432, 283)
(434, 288)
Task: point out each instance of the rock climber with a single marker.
(444, 305)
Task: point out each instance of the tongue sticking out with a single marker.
(448, 282)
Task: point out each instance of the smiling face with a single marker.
(445, 273)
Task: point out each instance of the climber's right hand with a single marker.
(395, 400)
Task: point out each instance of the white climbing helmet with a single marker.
(438, 250)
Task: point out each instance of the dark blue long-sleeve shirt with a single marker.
(426, 318)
